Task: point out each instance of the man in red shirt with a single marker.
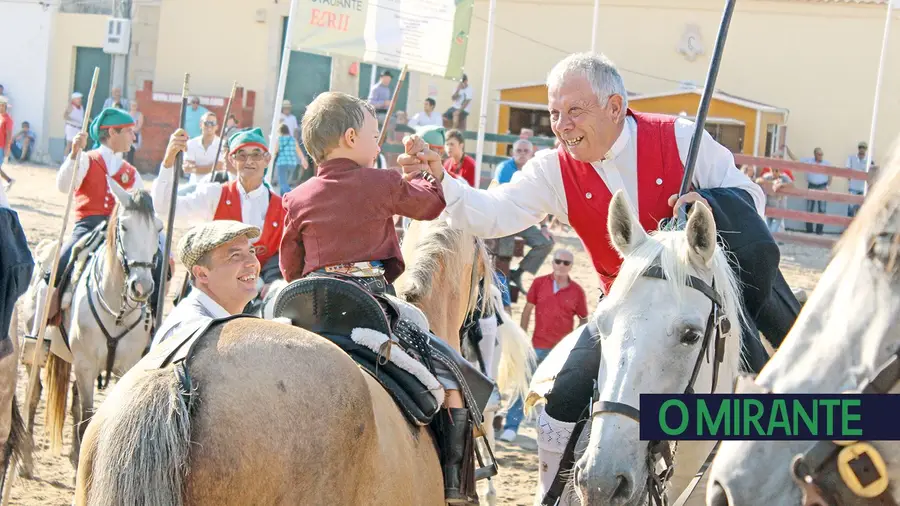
(555, 299)
(6, 138)
(458, 164)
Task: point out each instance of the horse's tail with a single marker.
(517, 360)
(58, 378)
(17, 444)
(138, 454)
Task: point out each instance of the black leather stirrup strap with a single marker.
(551, 497)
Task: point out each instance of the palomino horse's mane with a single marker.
(438, 248)
(141, 203)
(668, 249)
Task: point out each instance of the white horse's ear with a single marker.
(701, 233)
(121, 195)
(625, 231)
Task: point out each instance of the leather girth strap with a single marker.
(551, 497)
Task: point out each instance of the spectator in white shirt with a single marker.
(288, 118)
(455, 117)
(428, 117)
(201, 151)
(857, 162)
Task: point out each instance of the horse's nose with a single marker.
(140, 289)
(717, 495)
(604, 487)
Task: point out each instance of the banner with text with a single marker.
(429, 36)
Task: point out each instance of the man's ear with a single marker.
(200, 273)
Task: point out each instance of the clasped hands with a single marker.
(419, 158)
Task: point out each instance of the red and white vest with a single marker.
(659, 173)
(229, 208)
(94, 197)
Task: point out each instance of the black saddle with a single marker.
(329, 305)
(333, 308)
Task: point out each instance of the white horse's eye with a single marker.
(690, 336)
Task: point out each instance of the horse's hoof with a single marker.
(28, 474)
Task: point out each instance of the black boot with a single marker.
(456, 447)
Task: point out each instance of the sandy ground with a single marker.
(40, 209)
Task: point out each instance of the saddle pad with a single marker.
(415, 400)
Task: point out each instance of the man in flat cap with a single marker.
(223, 270)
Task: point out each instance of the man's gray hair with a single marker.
(563, 252)
(599, 70)
(525, 142)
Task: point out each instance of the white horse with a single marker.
(845, 334)
(108, 322)
(652, 335)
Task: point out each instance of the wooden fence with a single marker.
(798, 191)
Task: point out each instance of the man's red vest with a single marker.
(94, 197)
(229, 208)
(659, 173)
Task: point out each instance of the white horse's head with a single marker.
(132, 241)
(652, 329)
(846, 331)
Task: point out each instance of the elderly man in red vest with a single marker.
(246, 200)
(605, 147)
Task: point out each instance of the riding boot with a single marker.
(552, 438)
(458, 466)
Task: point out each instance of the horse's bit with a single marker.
(717, 324)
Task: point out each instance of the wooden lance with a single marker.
(390, 111)
(222, 176)
(173, 201)
(54, 266)
(708, 90)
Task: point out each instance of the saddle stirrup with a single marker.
(482, 471)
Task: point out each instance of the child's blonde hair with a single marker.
(327, 118)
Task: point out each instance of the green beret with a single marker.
(432, 135)
(109, 118)
(245, 138)
(208, 236)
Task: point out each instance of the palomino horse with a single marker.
(277, 414)
(108, 323)
(656, 328)
(844, 336)
(13, 437)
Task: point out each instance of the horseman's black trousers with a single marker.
(82, 228)
(574, 385)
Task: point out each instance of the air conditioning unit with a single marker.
(118, 36)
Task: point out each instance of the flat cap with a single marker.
(206, 237)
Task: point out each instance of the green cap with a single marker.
(247, 137)
(109, 118)
(433, 135)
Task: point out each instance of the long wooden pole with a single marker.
(390, 111)
(173, 201)
(222, 140)
(54, 267)
(892, 6)
(708, 90)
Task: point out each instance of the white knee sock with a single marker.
(552, 438)
(39, 303)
